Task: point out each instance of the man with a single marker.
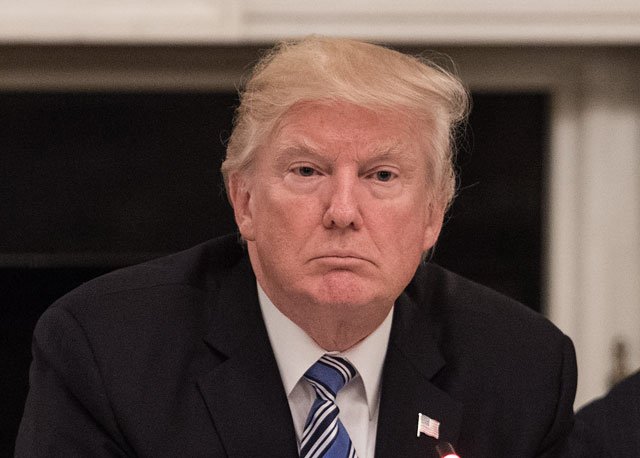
(321, 333)
(610, 426)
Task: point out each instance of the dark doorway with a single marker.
(493, 233)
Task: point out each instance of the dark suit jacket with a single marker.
(172, 358)
(611, 426)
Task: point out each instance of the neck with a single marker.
(334, 327)
(336, 337)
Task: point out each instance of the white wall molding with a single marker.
(109, 21)
(257, 21)
(451, 22)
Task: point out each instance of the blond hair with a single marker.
(367, 75)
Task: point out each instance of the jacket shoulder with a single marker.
(505, 345)
(448, 297)
(198, 268)
(174, 293)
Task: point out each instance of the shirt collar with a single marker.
(295, 351)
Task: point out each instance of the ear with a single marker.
(435, 218)
(240, 197)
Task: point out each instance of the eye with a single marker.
(305, 171)
(384, 175)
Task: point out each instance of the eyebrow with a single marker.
(294, 148)
(393, 150)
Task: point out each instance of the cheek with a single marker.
(401, 230)
(287, 215)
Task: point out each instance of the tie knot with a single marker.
(329, 374)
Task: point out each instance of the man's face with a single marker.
(335, 211)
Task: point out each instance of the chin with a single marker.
(347, 292)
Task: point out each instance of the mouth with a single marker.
(342, 259)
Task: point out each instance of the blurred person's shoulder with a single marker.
(613, 421)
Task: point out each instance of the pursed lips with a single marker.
(341, 257)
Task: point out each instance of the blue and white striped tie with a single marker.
(324, 435)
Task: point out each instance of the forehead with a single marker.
(317, 125)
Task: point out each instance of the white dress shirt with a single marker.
(358, 401)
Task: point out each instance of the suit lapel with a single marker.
(244, 393)
(412, 360)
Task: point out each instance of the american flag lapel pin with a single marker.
(428, 426)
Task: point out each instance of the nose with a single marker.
(343, 208)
